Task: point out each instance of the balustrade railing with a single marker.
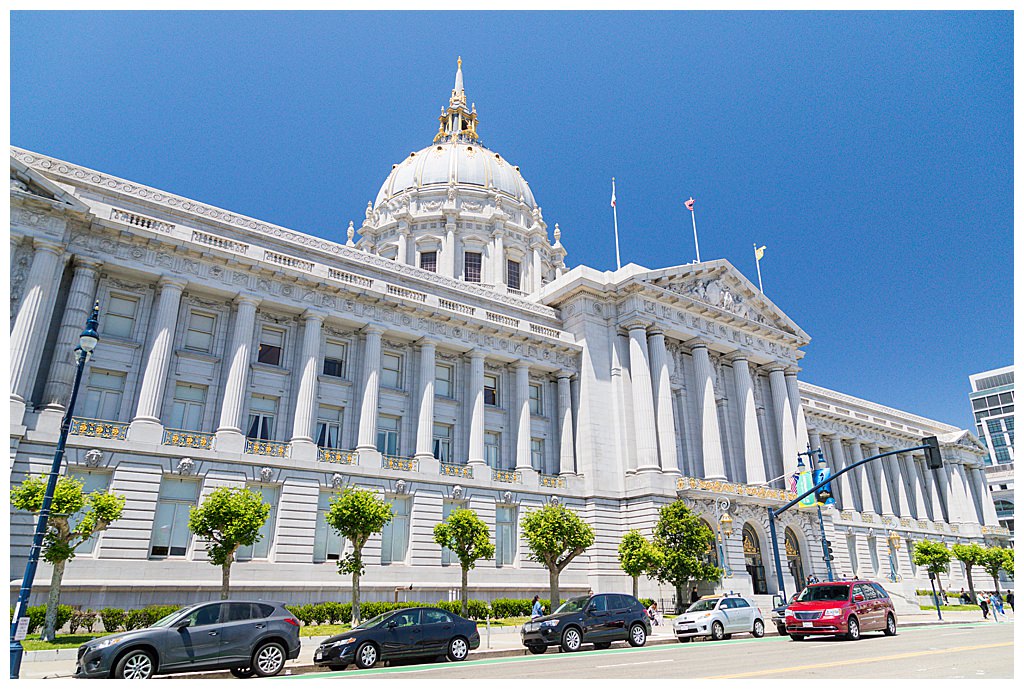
(99, 428)
(142, 221)
(503, 320)
(327, 454)
(266, 448)
(287, 261)
(194, 439)
(457, 470)
(399, 463)
(350, 278)
(553, 481)
(219, 242)
(406, 293)
(506, 476)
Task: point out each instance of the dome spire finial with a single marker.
(459, 92)
(457, 122)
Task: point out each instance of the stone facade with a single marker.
(449, 357)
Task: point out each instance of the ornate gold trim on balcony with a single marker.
(327, 454)
(995, 530)
(181, 438)
(98, 428)
(553, 481)
(907, 521)
(867, 517)
(266, 448)
(922, 523)
(399, 463)
(755, 491)
(503, 476)
(457, 470)
(846, 515)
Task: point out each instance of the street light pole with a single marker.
(87, 342)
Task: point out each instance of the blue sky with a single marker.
(870, 152)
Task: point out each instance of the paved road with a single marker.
(952, 651)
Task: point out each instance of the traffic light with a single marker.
(931, 452)
(828, 550)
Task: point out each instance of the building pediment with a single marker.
(963, 439)
(26, 181)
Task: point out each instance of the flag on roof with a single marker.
(759, 252)
(613, 193)
(689, 205)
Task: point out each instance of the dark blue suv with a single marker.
(599, 619)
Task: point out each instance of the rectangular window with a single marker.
(387, 435)
(271, 348)
(328, 428)
(492, 449)
(444, 380)
(491, 390)
(334, 359)
(391, 371)
(262, 414)
(512, 274)
(394, 539)
(92, 481)
(473, 263)
(119, 318)
(261, 548)
(102, 398)
(199, 334)
(537, 453)
(328, 544)
(188, 407)
(170, 521)
(428, 261)
(536, 398)
(443, 442)
(505, 535)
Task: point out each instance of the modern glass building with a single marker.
(992, 403)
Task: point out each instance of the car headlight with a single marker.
(103, 643)
(342, 642)
(549, 624)
(832, 612)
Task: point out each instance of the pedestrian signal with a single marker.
(931, 452)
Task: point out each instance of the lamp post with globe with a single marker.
(87, 342)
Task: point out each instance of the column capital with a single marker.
(635, 324)
(521, 364)
(774, 368)
(50, 245)
(655, 331)
(791, 371)
(166, 281)
(563, 373)
(373, 329)
(311, 315)
(246, 298)
(475, 354)
(697, 343)
(87, 263)
(426, 342)
(738, 355)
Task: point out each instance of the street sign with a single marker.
(22, 631)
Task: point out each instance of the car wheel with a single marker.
(366, 655)
(796, 637)
(242, 672)
(571, 640)
(890, 625)
(537, 650)
(336, 668)
(637, 635)
(602, 646)
(852, 629)
(758, 630)
(717, 631)
(781, 630)
(458, 649)
(137, 664)
(684, 639)
(268, 660)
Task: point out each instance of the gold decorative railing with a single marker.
(504, 476)
(457, 470)
(194, 439)
(267, 448)
(756, 491)
(552, 481)
(399, 463)
(327, 454)
(98, 428)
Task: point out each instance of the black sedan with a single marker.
(407, 633)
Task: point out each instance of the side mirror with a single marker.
(858, 597)
(182, 623)
(778, 601)
(392, 624)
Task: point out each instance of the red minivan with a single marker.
(841, 608)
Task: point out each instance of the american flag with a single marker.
(689, 205)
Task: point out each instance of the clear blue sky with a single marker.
(871, 152)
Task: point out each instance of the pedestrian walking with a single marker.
(538, 609)
(652, 612)
(694, 596)
(997, 600)
(983, 604)
(1009, 599)
(945, 598)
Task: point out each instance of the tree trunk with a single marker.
(52, 601)
(465, 592)
(995, 580)
(225, 578)
(553, 581)
(355, 598)
(636, 586)
(938, 580)
(970, 585)
(680, 604)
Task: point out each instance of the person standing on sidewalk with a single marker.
(1009, 599)
(694, 596)
(538, 609)
(983, 604)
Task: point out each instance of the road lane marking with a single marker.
(858, 661)
(644, 662)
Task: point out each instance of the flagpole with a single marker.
(757, 260)
(693, 216)
(615, 216)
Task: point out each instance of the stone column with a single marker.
(371, 390)
(448, 252)
(711, 439)
(538, 270)
(29, 331)
(303, 443)
(940, 484)
(900, 498)
(933, 498)
(747, 411)
(663, 403)
(799, 421)
(620, 355)
(403, 247)
(425, 418)
(876, 475)
(79, 305)
(229, 432)
(523, 418)
(566, 464)
(841, 487)
(475, 396)
(783, 418)
(146, 426)
(963, 510)
(498, 260)
(860, 477)
(988, 506)
(916, 494)
(643, 400)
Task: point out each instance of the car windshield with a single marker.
(703, 604)
(167, 619)
(573, 605)
(832, 592)
(375, 621)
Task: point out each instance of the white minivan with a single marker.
(720, 617)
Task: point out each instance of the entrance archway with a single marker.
(712, 553)
(794, 559)
(753, 559)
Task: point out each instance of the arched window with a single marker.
(793, 557)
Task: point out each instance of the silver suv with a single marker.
(719, 617)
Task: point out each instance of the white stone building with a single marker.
(449, 357)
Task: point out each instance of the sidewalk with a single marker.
(504, 641)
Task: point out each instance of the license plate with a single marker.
(319, 655)
(808, 624)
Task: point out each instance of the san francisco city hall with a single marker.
(448, 357)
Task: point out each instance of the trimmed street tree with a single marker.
(637, 556)
(555, 535)
(933, 556)
(228, 518)
(356, 515)
(682, 541)
(466, 535)
(90, 514)
(970, 554)
(995, 559)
